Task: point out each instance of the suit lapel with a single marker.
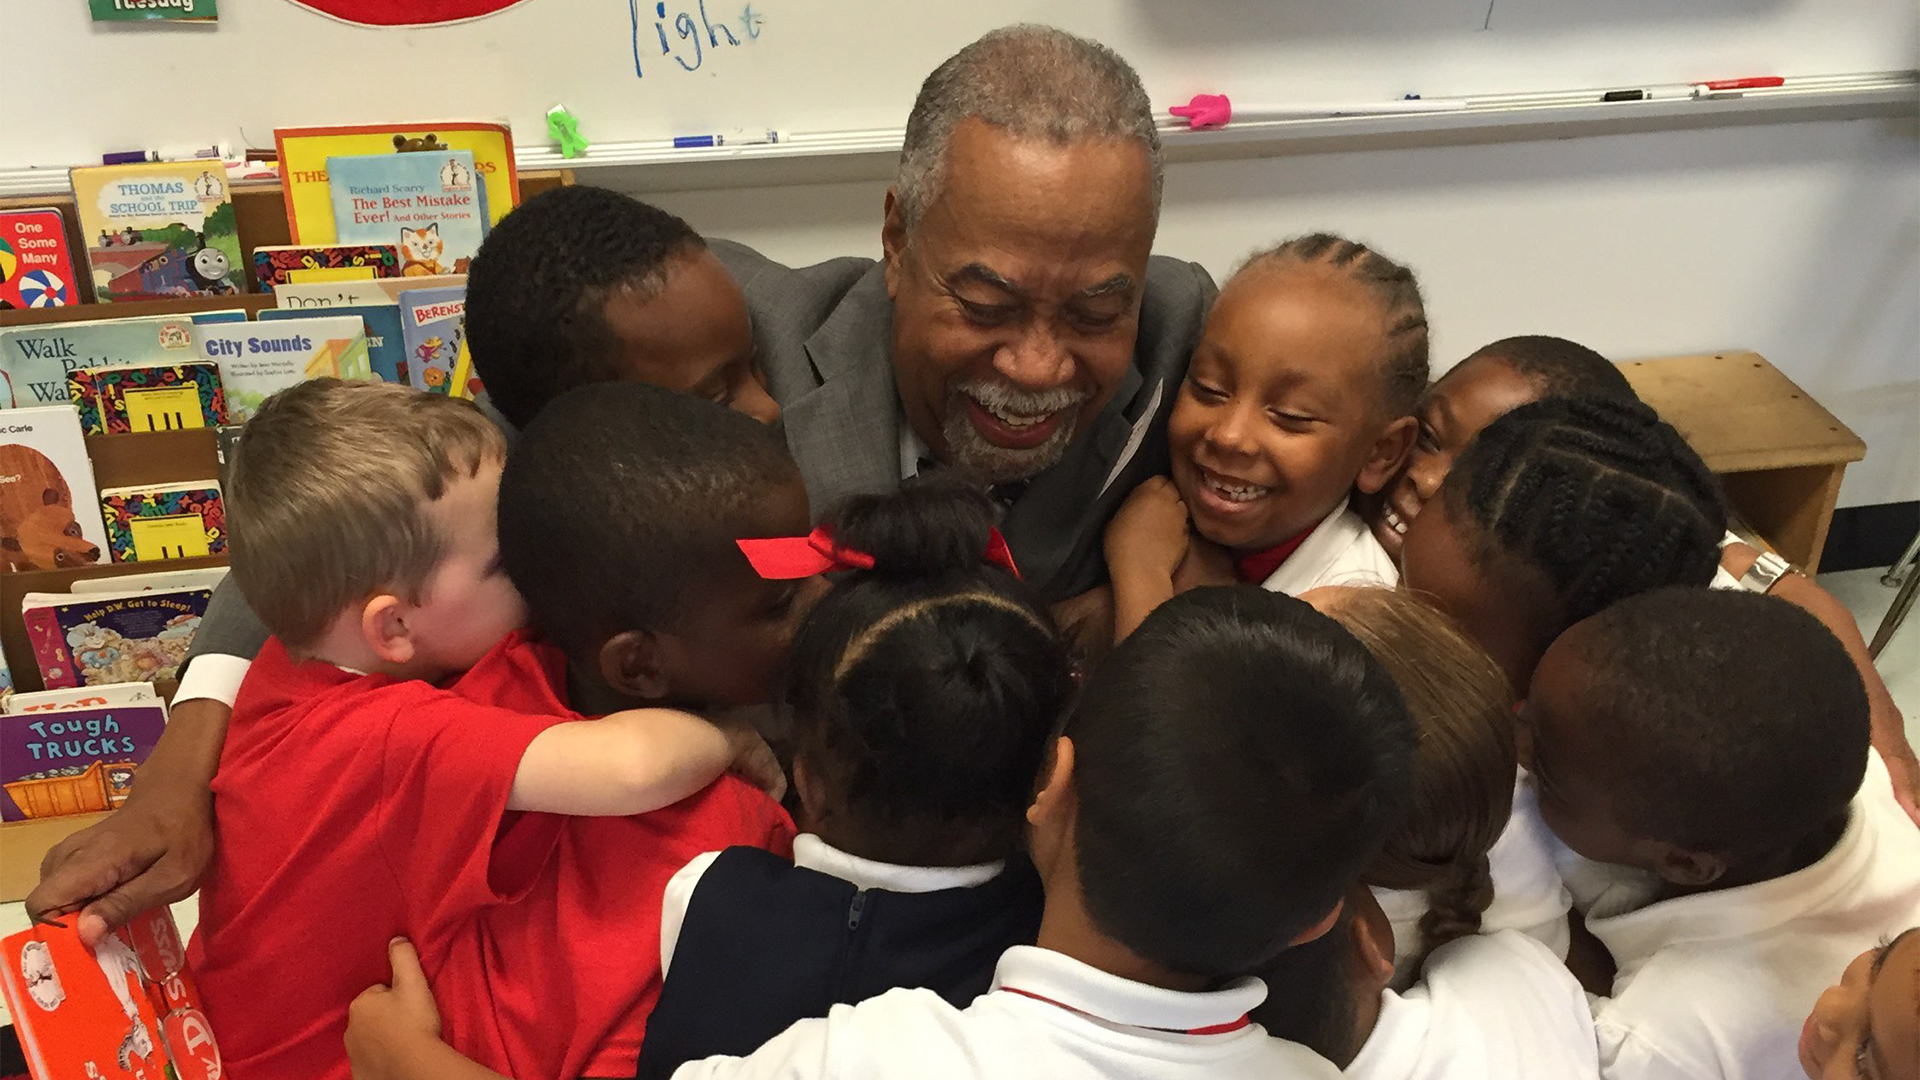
(1048, 523)
(845, 431)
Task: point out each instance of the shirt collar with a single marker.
(1061, 981)
(913, 450)
(813, 853)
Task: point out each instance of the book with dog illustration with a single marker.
(158, 230)
(128, 1009)
(49, 507)
(165, 521)
(429, 205)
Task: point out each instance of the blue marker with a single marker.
(742, 138)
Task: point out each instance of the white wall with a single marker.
(1800, 241)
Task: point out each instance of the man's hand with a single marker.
(393, 1032)
(1148, 536)
(151, 851)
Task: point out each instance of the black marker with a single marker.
(1624, 95)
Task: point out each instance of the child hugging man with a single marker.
(356, 799)
(1716, 742)
(1300, 393)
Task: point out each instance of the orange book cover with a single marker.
(128, 1010)
(304, 152)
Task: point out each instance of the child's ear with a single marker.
(1389, 452)
(634, 663)
(1056, 785)
(383, 626)
(1319, 929)
(1689, 869)
(1372, 937)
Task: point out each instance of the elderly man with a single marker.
(1016, 327)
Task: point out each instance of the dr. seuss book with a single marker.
(258, 360)
(158, 230)
(303, 154)
(76, 760)
(111, 637)
(36, 264)
(290, 263)
(127, 1009)
(152, 397)
(81, 697)
(429, 204)
(307, 296)
(49, 509)
(433, 324)
(36, 360)
(165, 521)
(386, 353)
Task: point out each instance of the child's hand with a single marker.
(754, 762)
(1206, 563)
(386, 1025)
(1149, 535)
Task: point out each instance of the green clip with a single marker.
(564, 128)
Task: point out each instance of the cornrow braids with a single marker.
(1598, 497)
(1404, 367)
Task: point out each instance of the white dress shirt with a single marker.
(1049, 1017)
(1494, 1006)
(1340, 550)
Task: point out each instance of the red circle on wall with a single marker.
(406, 12)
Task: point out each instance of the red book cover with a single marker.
(36, 264)
(128, 1010)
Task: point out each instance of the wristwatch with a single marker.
(1766, 570)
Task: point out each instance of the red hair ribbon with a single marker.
(784, 558)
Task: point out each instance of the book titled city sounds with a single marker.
(258, 360)
(158, 230)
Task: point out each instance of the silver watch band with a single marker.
(1766, 570)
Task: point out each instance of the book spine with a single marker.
(50, 648)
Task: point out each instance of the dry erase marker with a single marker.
(1732, 87)
(742, 138)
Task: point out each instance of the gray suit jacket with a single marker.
(825, 335)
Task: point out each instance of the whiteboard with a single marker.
(809, 66)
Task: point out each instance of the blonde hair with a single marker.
(327, 503)
(1463, 768)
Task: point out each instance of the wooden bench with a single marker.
(1779, 454)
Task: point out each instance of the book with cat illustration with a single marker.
(158, 230)
(165, 521)
(96, 638)
(433, 323)
(49, 508)
(429, 205)
(148, 397)
(303, 154)
(258, 360)
(284, 264)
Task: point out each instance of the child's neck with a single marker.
(590, 695)
(1814, 847)
(345, 647)
(1066, 928)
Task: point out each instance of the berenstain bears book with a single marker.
(158, 230)
(428, 204)
(168, 397)
(386, 352)
(77, 760)
(126, 1010)
(165, 521)
(303, 154)
(49, 508)
(36, 360)
(36, 265)
(433, 323)
(287, 264)
(258, 360)
(111, 637)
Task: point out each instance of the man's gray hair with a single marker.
(1034, 81)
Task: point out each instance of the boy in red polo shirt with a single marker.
(356, 800)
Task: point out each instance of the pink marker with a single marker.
(1215, 110)
(1758, 82)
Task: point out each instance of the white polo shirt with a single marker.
(1049, 1017)
(1494, 1006)
(1340, 550)
(1716, 986)
(1528, 894)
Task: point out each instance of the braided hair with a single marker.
(1598, 499)
(924, 691)
(1559, 368)
(1391, 285)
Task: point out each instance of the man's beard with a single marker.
(1000, 464)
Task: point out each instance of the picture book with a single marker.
(428, 204)
(433, 327)
(158, 230)
(76, 760)
(135, 636)
(150, 397)
(303, 154)
(82, 697)
(36, 360)
(49, 508)
(324, 294)
(289, 263)
(36, 262)
(198, 577)
(257, 360)
(127, 1009)
(386, 353)
(165, 521)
